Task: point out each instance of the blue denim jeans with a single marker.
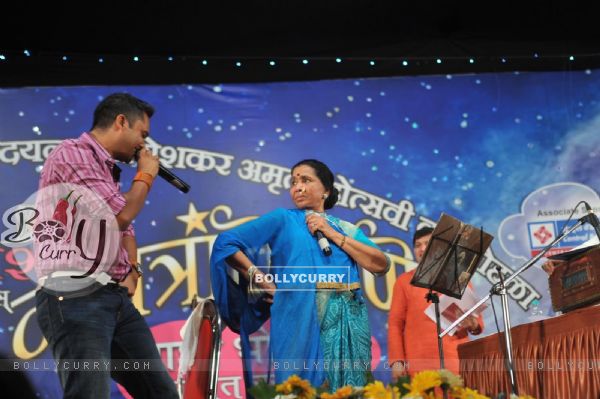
(99, 336)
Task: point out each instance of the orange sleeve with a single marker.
(397, 322)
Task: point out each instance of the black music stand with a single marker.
(452, 255)
(500, 289)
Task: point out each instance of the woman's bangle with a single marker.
(342, 242)
(251, 271)
(254, 294)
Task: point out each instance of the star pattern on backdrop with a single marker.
(193, 220)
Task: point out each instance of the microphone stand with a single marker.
(433, 297)
(500, 289)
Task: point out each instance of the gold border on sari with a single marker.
(338, 286)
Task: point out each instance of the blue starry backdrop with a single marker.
(510, 152)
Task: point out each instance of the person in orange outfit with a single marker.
(412, 335)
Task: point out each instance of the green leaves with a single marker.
(262, 390)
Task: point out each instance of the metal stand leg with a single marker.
(433, 297)
(501, 290)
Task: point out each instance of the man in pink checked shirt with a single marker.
(99, 322)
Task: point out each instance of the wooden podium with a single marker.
(553, 358)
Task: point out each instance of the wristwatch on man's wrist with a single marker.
(137, 266)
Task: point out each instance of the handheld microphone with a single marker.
(168, 176)
(174, 180)
(322, 240)
(323, 243)
(591, 218)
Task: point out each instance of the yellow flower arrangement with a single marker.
(452, 380)
(376, 390)
(297, 386)
(467, 393)
(344, 392)
(423, 382)
(427, 384)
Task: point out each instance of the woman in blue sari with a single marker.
(319, 325)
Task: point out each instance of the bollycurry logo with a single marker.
(66, 233)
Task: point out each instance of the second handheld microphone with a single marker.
(321, 240)
(168, 176)
(323, 243)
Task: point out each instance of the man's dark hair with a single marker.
(325, 176)
(422, 232)
(120, 103)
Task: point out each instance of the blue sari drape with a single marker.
(297, 345)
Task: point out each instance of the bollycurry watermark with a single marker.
(93, 365)
(63, 231)
(307, 278)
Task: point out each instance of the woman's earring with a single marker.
(324, 196)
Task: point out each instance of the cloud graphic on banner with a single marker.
(580, 158)
(543, 215)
